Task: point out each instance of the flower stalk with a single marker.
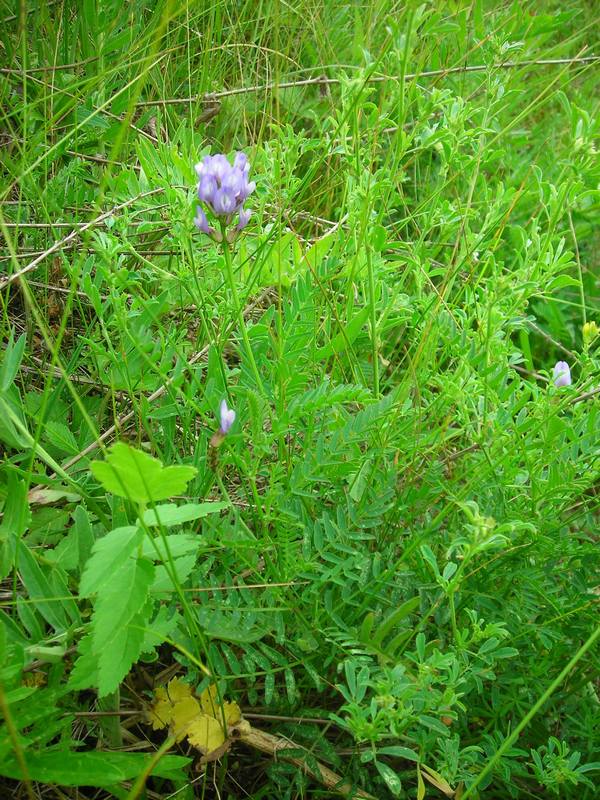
(238, 309)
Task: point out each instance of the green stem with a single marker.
(239, 312)
(111, 725)
(373, 310)
(453, 617)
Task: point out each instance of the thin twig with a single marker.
(82, 225)
(101, 160)
(56, 373)
(47, 68)
(240, 586)
(549, 338)
(92, 714)
(586, 396)
(30, 253)
(62, 290)
(324, 81)
(69, 238)
(529, 374)
(281, 718)
(30, 10)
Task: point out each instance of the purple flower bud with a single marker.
(202, 166)
(561, 374)
(224, 188)
(241, 162)
(201, 222)
(245, 215)
(227, 417)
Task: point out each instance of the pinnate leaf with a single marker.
(135, 475)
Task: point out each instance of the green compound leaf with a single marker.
(138, 477)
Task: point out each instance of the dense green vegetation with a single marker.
(382, 579)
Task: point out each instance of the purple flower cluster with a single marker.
(223, 189)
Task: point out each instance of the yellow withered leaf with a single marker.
(205, 733)
(178, 690)
(211, 706)
(233, 713)
(184, 713)
(202, 719)
(165, 699)
(160, 712)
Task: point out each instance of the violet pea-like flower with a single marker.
(561, 374)
(223, 188)
(227, 416)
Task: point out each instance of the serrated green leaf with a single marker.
(58, 435)
(170, 514)
(172, 546)
(84, 674)
(114, 662)
(164, 582)
(120, 600)
(159, 628)
(135, 475)
(108, 554)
